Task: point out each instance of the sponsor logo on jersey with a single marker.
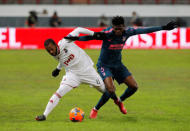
(71, 57)
(102, 71)
(116, 46)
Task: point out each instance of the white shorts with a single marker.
(90, 77)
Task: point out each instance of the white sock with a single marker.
(54, 100)
(119, 99)
(95, 109)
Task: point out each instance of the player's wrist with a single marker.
(72, 38)
(164, 27)
(58, 69)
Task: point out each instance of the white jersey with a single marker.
(72, 57)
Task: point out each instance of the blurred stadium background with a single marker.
(96, 14)
(87, 12)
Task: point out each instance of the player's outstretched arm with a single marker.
(95, 36)
(81, 30)
(170, 26)
(74, 35)
(73, 38)
(82, 38)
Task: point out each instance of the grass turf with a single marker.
(161, 103)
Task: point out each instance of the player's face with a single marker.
(52, 49)
(118, 29)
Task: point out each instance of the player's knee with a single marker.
(135, 86)
(58, 95)
(63, 89)
(111, 89)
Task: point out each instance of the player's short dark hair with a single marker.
(48, 41)
(118, 20)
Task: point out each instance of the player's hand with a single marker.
(72, 38)
(99, 36)
(55, 72)
(170, 26)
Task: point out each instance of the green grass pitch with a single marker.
(161, 103)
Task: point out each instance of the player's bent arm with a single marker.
(86, 38)
(96, 36)
(81, 30)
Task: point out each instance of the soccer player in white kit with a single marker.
(78, 67)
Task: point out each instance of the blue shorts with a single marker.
(118, 73)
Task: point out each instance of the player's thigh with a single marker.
(121, 73)
(109, 84)
(91, 77)
(69, 81)
(63, 89)
(106, 75)
(131, 82)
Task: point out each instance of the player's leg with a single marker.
(104, 98)
(122, 75)
(106, 75)
(132, 87)
(108, 81)
(109, 93)
(68, 83)
(54, 100)
(93, 78)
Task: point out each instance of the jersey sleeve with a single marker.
(132, 31)
(81, 30)
(107, 31)
(89, 37)
(86, 38)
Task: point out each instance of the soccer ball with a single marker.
(76, 114)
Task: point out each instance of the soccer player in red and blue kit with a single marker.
(110, 66)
